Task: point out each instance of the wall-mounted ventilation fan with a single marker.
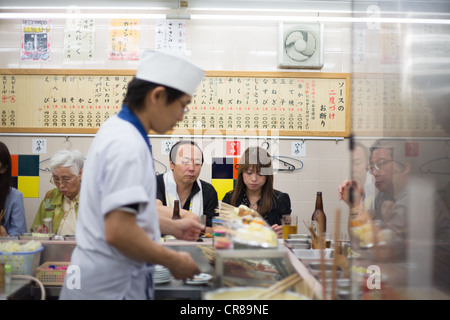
(301, 45)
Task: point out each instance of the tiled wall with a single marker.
(213, 45)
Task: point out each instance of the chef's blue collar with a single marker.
(128, 115)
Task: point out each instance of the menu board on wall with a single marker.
(380, 108)
(231, 103)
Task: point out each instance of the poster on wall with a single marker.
(170, 36)
(124, 39)
(79, 37)
(35, 40)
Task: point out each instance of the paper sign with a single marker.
(39, 146)
(233, 148)
(298, 148)
(124, 39)
(35, 40)
(166, 145)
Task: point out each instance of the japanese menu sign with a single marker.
(378, 106)
(79, 37)
(242, 103)
(170, 36)
(124, 39)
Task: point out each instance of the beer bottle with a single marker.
(176, 210)
(318, 217)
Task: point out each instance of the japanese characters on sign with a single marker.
(79, 37)
(170, 36)
(268, 103)
(124, 39)
(245, 104)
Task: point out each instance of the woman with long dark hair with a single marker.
(12, 209)
(254, 188)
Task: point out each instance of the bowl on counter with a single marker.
(299, 236)
(312, 254)
(298, 243)
(316, 270)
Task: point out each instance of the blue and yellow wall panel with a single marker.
(25, 174)
(224, 175)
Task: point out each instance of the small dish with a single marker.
(201, 278)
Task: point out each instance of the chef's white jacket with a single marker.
(118, 171)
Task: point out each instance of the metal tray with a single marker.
(30, 236)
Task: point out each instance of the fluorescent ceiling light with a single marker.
(40, 15)
(316, 19)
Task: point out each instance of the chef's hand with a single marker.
(185, 267)
(278, 230)
(187, 229)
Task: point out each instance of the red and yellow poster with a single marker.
(124, 39)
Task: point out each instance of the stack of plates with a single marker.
(201, 278)
(161, 275)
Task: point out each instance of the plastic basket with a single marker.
(22, 262)
(52, 276)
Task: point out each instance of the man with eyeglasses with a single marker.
(61, 203)
(118, 228)
(197, 198)
(390, 178)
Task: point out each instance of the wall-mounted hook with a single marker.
(68, 140)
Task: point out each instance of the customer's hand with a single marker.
(187, 229)
(344, 193)
(278, 230)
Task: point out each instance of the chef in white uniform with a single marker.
(118, 227)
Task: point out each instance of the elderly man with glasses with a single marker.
(61, 203)
(390, 171)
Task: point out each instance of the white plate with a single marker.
(160, 281)
(164, 276)
(201, 278)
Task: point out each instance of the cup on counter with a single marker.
(289, 224)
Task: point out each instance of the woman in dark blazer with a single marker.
(254, 188)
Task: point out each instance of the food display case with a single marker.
(251, 267)
(263, 268)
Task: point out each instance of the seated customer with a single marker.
(11, 199)
(197, 197)
(61, 203)
(254, 188)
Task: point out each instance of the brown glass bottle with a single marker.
(318, 217)
(176, 210)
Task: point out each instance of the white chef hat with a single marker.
(170, 70)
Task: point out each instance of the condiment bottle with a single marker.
(8, 274)
(319, 219)
(176, 210)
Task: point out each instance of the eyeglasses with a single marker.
(185, 108)
(186, 161)
(64, 180)
(379, 165)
